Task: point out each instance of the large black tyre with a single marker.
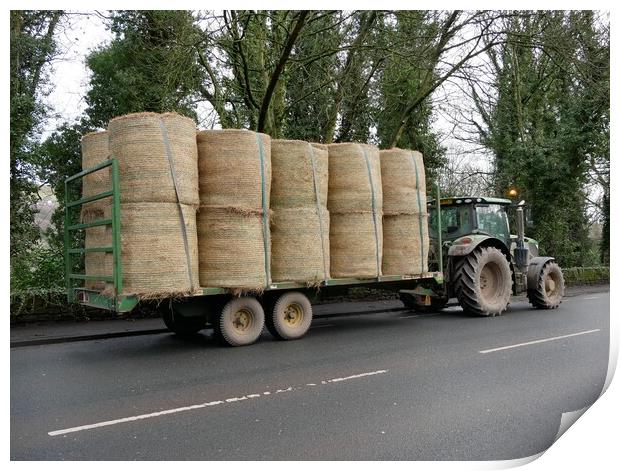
(549, 288)
(181, 325)
(240, 322)
(483, 282)
(410, 301)
(290, 317)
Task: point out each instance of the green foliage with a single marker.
(40, 268)
(543, 125)
(32, 48)
(149, 66)
(585, 275)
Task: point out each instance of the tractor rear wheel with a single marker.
(549, 289)
(483, 282)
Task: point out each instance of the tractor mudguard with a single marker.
(534, 268)
(465, 245)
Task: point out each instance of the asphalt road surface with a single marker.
(386, 386)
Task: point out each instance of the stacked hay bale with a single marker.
(405, 219)
(234, 169)
(157, 160)
(95, 151)
(355, 204)
(300, 222)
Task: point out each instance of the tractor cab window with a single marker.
(455, 221)
(493, 220)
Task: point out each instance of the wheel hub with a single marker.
(551, 286)
(242, 320)
(293, 314)
(488, 281)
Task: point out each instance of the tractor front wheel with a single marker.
(483, 282)
(549, 289)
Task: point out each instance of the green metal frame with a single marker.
(89, 297)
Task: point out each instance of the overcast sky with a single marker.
(69, 75)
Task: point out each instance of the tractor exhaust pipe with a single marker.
(521, 252)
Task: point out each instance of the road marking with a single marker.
(206, 404)
(539, 341)
(591, 297)
(419, 315)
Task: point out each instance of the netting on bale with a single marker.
(405, 244)
(356, 244)
(405, 218)
(231, 249)
(149, 147)
(95, 150)
(154, 259)
(355, 204)
(229, 167)
(352, 168)
(300, 245)
(295, 166)
(404, 182)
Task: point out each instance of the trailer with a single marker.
(285, 308)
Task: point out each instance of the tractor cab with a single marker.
(464, 216)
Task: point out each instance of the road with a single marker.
(387, 386)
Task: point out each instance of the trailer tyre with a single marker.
(240, 322)
(549, 289)
(180, 325)
(483, 282)
(291, 316)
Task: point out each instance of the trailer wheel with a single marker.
(549, 289)
(483, 282)
(290, 317)
(181, 325)
(240, 322)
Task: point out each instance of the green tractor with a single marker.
(483, 263)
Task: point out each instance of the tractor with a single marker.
(483, 264)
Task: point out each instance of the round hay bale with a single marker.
(351, 185)
(96, 263)
(229, 167)
(300, 245)
(231, 248)
(294, 173)
(405, 244)
(353, 247)
(153, 252)
(94, 151)
(137, 142)
(404, 181)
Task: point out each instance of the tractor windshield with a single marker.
(493, 220)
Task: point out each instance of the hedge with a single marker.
(586, 275)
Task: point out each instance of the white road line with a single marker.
(539, 341)
(205, 404)
(591, 297)
(418, 315)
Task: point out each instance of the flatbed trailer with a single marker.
(220, 307)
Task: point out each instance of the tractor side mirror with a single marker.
(529, 221)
